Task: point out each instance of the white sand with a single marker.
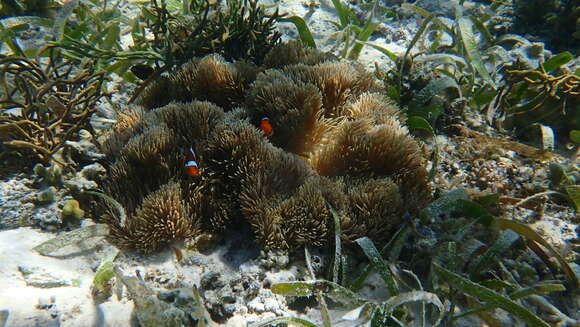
(73, 304)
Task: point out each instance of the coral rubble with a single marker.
(336, 141)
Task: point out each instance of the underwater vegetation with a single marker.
(42, 99)
(306, 150)
(235, 29)
(544, 95)
(28, 7)
(43, 105)
(165, 34)
(168, 34)
(333, 140)
(516, 84)
(556, 21)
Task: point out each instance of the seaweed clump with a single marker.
(234, 29)
(336, 142)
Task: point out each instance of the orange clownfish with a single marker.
(266, 126)
(191, 168)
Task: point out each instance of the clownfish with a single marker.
(266, 126)
(191, 168)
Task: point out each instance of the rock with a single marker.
(236, 321)
(274, 259)
(270, 304)
(230, 309)
(4, 314)
(178, 307)
(195, 260)
(211, 281)
(279, 277)
(77, 185)
(93, 171)
(448, 7)
(38, 277)
(88, 229)
(45, 303)
(254, 287)
(250, 267)
(168, 296)
(85, 179)
(84, 148)
(530, 55)
(256, 305)
(228, 297)
(44, 320)
(19, 206)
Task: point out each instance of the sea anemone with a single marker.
(163, 217)
(210, 78)
(291, 106)
(336, 141)
(294, 52)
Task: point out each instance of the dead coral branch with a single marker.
(44, 105)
